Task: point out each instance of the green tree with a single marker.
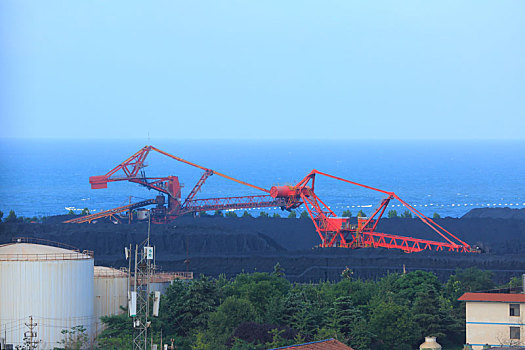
(361, 214)
(304, 215)
(85, 211)
(11, 217)
(392, 214)
(406, 214)
(428, 315)
(70, 212)
(172, 304)
(467, 280)
(394, 327)
(515, 282)
(231, 214)
(203, 214)
(230, 314)
(75, 338)
(361, 292)
(218, 213)
(347, 214)
(278, 270)
(292, 215)
(276, 215)
(259, 288)
(201, 341)
(117, 332)
(246, 214)
(277, 339)
(309, 312)
(350, 322)
(436, 216)
(407, 286)
(201, 299)
(263, 214)
(1, 215)
(240, 344)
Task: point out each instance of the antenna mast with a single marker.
(139, 308)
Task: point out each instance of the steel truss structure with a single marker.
(337, 231)
(144, 269)
(334, 231)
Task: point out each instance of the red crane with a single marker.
(133, 171)
(334, 231)
(337, 231)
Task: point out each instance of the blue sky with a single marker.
(263, 69)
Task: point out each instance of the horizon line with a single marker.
(149, 140)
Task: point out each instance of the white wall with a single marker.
(489, 323)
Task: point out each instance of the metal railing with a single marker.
(34, 240)
(71, 254)
(86, 254)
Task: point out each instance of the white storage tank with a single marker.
(52, 284)
(111, 288)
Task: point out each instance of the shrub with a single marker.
(392, 214)
(11, 217)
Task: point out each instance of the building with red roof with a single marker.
(328, 344)
(495, 318)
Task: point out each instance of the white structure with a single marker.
(111, 288)
(162, 280)
(495, 318)
(430, 344)
(53, 285)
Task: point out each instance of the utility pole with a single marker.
(30, 341)
(139, 308)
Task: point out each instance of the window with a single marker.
(514, 309)
(515, 333)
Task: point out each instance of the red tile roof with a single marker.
(328, 344)
(501, 297)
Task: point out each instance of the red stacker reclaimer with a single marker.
(132, 170)
(334, 231)
(337, 231)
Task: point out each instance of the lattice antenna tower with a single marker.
(139, 306)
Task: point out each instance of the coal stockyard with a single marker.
(317, 246)
(223, 245)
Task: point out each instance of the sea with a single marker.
(50, 177)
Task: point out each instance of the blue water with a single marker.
(43, 177)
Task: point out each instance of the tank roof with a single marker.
(104, 271)
(37, 252)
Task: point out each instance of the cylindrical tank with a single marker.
(53, 285)
(111, 288)
(430, 344)
(282, 191)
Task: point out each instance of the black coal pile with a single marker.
(216, 245)
(496, 213)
